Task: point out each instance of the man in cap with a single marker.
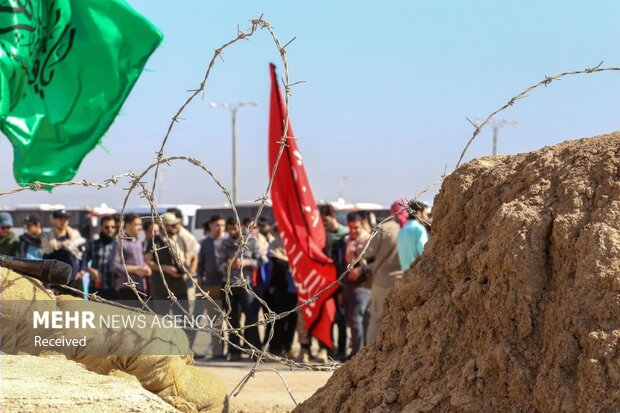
(8, 239)
(170, 249)
(65, 244)
(30, 240)
(191, 247)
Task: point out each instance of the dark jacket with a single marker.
(29, 247)
(8, 244)
(251, 252)
(166, 257)
(210, 261)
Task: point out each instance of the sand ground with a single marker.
(33, 384)
(266, 392)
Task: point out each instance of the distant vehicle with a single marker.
(249, 210)
(243, 210)
(344, 208)
(88, 219)
(188, 210)
(79, 216)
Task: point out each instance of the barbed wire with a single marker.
(243, 244)
(138, 183)
(41, 186)
(545, 82)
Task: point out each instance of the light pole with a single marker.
(343, 179)
(497, 125)
(233, 114)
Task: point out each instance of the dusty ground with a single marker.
(266, 393)
(36, 384)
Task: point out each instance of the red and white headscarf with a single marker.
(398, 208)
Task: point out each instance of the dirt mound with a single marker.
(54, 384)
(515, 304)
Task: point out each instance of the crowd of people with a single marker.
(153, 261)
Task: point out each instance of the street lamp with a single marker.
(497, 125)
(343, 179)
(233, 113)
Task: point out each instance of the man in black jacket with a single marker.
(30, 240)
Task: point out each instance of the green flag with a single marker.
(66, 67)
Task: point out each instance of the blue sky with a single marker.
(388, 87)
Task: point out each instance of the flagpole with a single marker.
(233, 114)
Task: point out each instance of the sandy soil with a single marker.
(266, 392)
(38, 384)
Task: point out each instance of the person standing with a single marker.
(98, 259)
(65, 244)
(242, 266)
(384, 267)
(264, 236)
(334, 231)
(356, 294)
(170, 249)
(335, 249)
(30, 240)
(413, 236)
(151, 229)
(266, 228)
(8, 239)
(190, 245)
(210, 275)
(134, 269)
(281, 297)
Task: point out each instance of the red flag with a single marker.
(299, 222)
